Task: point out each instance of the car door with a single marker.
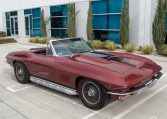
(44, 67)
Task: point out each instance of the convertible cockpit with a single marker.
(66, 47)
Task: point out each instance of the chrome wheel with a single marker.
(91, 93)
(20, 72)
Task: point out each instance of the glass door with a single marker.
(28, 24)
(14, 25)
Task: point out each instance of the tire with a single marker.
(92, 94)
(21, 73)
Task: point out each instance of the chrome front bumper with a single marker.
(149, 84)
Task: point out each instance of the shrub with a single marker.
(164, 50)
(89, 42)
(96, 44)
(34, 40)
(71, 23)
(159, 25)
(110, 45)
(7, 40)
(147, 49)
(42, 40)
(125, 20)
(2, 34)
(130, 48)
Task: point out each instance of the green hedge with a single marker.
(38, 40)
(2, 34)
(7, 40)
(164, 50)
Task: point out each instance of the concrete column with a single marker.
(21, 23)
(141, 22)
(47, 15)
(81, 9)
(134, 21)
(3, 22)
(145, 23)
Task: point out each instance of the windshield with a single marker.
(70, 46)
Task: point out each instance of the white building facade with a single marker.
(22, 18)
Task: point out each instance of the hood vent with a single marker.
(109, 57)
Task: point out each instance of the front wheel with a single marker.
(92, 94)
(21, 73)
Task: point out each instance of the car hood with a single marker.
(118, 62)
(132, 68)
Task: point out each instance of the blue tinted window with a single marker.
(8, 32)
(114, 21)
(8, 24)
(36, 33)
(36, 12)
(33, 22)
(36, 23)
(7, 15)
(27, 11)
(100, 21)
(114, 6)
(58, 21)
(114, 36)
(59, 33)
(13, 13)
(106, 19)
(166, 21)
(11, 23)
(99, 7)
(59, 10)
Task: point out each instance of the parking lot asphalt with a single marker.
(32, 101)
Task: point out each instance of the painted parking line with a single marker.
(12, 88)
(119, 116)
(96, 112)
(4, 67)
(64, 99)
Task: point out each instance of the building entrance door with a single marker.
(14, 25)
(28, 25)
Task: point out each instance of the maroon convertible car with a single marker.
(72, 67)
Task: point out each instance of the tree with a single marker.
(125, 20)
(44, 22)
(159, 24)
(90, 33)
(71, 26)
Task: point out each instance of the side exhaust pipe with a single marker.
(53, 86)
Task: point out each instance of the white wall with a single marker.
(21, 23)
(1, 25)
(10, 5)
(134, 21)
(141, 18)
(81, 19)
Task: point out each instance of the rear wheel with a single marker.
(21, 73)
(92, 94)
